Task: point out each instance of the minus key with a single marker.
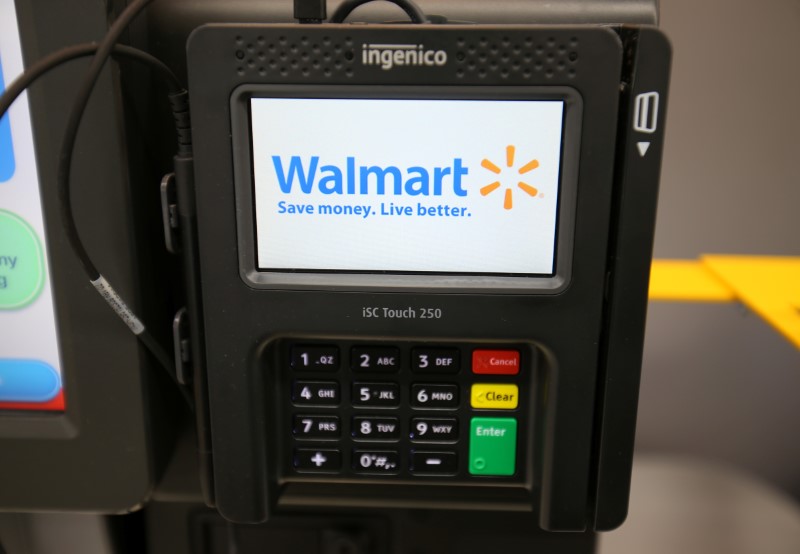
(440, 463)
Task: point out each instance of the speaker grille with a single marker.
(517, 57)
(294, 57)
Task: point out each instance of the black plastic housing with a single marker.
(587, 338)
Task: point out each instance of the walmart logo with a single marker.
(508, 200)
(7, 164)
(307, 174)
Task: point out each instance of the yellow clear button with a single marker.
(494, 396)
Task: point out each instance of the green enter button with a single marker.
(493, 446)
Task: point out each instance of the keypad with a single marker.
(408, 411)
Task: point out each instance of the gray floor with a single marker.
(685, 506)
(720, 384)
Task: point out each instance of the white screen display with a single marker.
(405, 185)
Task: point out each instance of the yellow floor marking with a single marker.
(768, 285)
(687, 281)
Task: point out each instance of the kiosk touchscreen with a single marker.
(423, 254)
(30, 366)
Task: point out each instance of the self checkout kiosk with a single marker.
(414, 260)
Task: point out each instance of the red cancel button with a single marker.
(495, 362)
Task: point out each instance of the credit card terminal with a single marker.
(422, 255)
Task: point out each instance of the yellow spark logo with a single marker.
(508, 201)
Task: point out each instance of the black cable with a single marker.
(60, 57)
(310, 11)
(63, 182)
(71, 133)
(408, 6)
(233, 538)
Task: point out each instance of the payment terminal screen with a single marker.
(30, 370)
(406, 185)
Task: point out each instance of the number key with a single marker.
(383, 359)
(316, 427)
(434, 396)
(434, 429)
(376, 461)
(435, 360)
(317, 358)
(376, 428)
(378, 395)
(315, 393)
